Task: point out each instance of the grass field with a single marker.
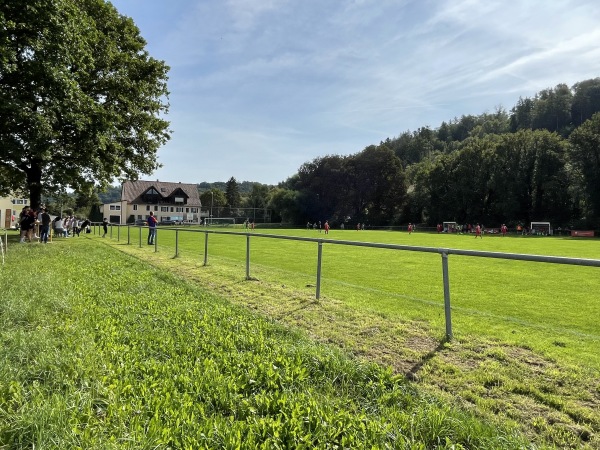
(100, 350)
(525, 351)
(549, 307)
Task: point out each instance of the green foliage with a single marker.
(81, 93)
(493, 168)
(110, 194)
(585, 155)
(213, 198)
(232, 193)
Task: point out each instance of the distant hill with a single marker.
(245, 187)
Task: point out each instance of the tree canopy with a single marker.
(537, 162)
(81, 100)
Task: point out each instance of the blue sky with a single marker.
(258, 87)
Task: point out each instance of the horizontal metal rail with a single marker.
(444, 252)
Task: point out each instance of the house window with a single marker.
(178, 209)
(115, 207)
(112, 207)
(178, 199)
(135, 207)
(147, 207)
(164, 209)
(187, 210)
(194, 210)
(155, 208)
(171, 209)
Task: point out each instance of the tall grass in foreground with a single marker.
(100, 351)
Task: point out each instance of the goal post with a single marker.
(449, 227)
(221, 221)
(541, 228)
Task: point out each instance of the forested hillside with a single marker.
(538, 161)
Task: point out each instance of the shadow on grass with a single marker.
(413, 372)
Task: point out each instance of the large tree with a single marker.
(232, 193)
(585, 158)
(81, 100)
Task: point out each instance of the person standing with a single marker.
(25, 223)
(410, 228)
(326, 227)
(478, 232)
(45, 228)
(105, 226)
(151, 228)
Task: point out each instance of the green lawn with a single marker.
(551, 308)
(525, 348)
(101, 350)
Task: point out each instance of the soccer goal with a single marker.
(449, 227)
(541, 228)
(221, 221)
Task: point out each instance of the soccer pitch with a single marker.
(551, 308)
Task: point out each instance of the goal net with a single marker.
(449, 227)
(220, 221)
(540, 228)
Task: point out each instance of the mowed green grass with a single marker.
(550, 308)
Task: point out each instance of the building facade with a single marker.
(10, 208)
(170, 202)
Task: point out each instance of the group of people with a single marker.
(69, 226)
(319, 226)
(35, 225)
(477, 229)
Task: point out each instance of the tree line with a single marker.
(501, 167)
(82, 103)
(540, 161)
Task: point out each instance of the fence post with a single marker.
(119, 233)
(140, 232)
(205, 248)
(447, 295)
(128, 234)
(176, 242)
(319, 259)
(156, 240)
(247, 257)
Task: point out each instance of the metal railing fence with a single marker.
(443, 252)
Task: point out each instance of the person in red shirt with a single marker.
(478, 232)
(410, 228)
(326, 227)
(151, 228)
(504, 230)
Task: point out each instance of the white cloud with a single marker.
(293, 80)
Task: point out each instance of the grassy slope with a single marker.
(526, 334)
(100, 350)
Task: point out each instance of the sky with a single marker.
(259, 87)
